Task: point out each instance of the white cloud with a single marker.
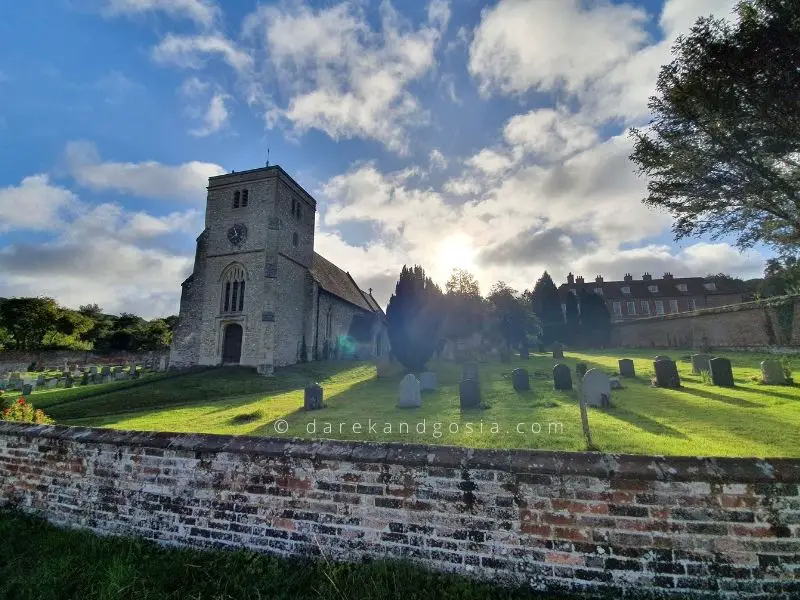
(437, 160)
(202, 12)
(490, 162)
(192, 87)
(550, 133)
(186, 182)
(439, 13)
(341, 76)
(543, 44)
(191, 51)
(215, 117)
(34, 204)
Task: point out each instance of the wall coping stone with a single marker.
(593, 464)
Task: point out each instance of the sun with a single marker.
(456, 252)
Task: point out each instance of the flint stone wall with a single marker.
(633, 526)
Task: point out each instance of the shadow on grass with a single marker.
(772, 394)
(644, 423)
(720, 397)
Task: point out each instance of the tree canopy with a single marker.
(722, 153)
(547, 306)
(511, 317)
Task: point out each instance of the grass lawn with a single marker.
(40, 562)
(699, 419)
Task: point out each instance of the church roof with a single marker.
(335, 281)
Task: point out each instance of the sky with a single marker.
(452, 134)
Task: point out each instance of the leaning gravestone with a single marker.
(469, 394)
(596, 389)
(470, 371)
(410, 396)
(558, 350)
(520, 380)
(667, 374)
(428, 382)
(626, 368)
(312, 397)
(85, 378)
(27, 388)
(700, 363)
(580, 369)
(772, 372)
(562, 379)
(721, 372)
(662, 357)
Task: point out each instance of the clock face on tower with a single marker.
(237, 234)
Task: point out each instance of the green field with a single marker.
(699, 419)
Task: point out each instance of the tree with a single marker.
(512, 319)
(547, 306)
(781, 277)
(155, 335)
(595, 320)
(413, 318)
(27, 320)
(722, 151)
(573, 318)
(464, 308)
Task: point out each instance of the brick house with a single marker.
(646, 297)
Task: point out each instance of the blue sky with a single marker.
(486, 136)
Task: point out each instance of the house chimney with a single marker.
(579, 279)
(647, 277)
(628, 277)
(570, 279)
(667, 275)
(598, 279)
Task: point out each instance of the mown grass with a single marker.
(699, 419)
(41, 562)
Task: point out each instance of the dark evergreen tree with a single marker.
(547, 306)
(413, 318)
(595, 320)
(573, 325)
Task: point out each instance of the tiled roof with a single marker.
(667, 288)
(335, 281)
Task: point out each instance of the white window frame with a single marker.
(645, 306)
(682, 287)
(652, 289)
(626, 290)
(631, 307)
(659, 307)
(710, 286)
(692, 304)
(673, 307)
(617, 309)
(598, 291)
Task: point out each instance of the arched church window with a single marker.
(233, 286)
(295, 239)
(245, 197)
(236, 199)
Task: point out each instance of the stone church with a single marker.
(259, 295)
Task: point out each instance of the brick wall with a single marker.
(645, 527)
(751, 325)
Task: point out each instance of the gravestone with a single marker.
(121, 375)
(558, 350)
(105, 371)
(596, 389)
(428, 382)
(772, 372)
(562, 379)
(615, 383)
(162, 364)
(469, 370)
(662, 357)
(69, 381)
(312, 397)
(626, 368)
(580, 369)
(469, 394)
(40, 382)
(410, 396)
(27, 388)
(50, 383)
(85, 378)
(105, 379)
(700, 363)
(667, 374)
(525, 353)
(721, 372)
(520, 380)
(92, 370)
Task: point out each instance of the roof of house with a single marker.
(335, 281)
(640, 289)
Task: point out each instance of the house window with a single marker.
(645, 306)
(598, 291)
(574, 292)
(245, 194)
(692, 304)
(626, 290)
(652, 288)
(710, 286)
(236, 199)
(233, 284)
(673, 306)
(659, 307)
(617, 309)
(631, 308)
(295, 239)
(682, 287)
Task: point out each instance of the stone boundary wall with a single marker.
(771, 324)
(632, 526)
(19, 361)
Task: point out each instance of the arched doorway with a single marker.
(232, 344)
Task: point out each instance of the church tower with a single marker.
(248, 299)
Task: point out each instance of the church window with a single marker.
(245, 194)
(298, 212)
(236, 199)
(294, 206)
(295, 239)
(233, 285)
